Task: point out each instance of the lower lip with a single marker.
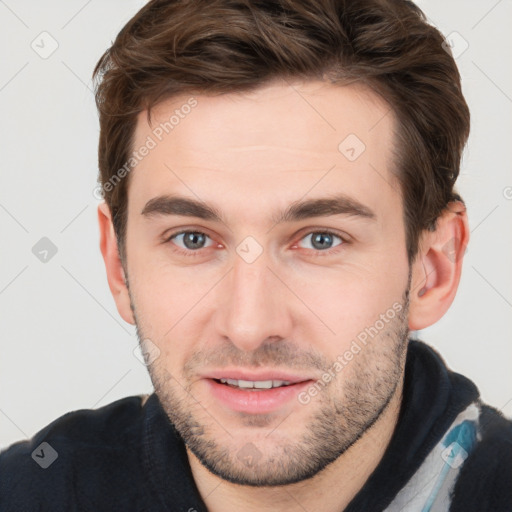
(255, 402)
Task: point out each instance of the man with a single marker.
(279, 214)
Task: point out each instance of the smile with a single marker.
(254, 384)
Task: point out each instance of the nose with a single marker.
(254, 305)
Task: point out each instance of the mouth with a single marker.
(254, 385)
(253, 394)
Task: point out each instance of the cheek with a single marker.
(344, 314)
(352, 308)
(171, 304)
(158, 296)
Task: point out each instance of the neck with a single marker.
(331, 490)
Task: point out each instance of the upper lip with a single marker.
(256, 376)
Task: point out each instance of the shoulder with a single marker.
(111, 424)
(484, 479)
(82, 445)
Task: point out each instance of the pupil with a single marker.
(191, 240)
(320, 238)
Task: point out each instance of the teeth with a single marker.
(279, 383)
(258, 384)
(246, 384)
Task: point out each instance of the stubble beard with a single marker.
(342, 412)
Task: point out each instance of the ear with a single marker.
(437, 268)
(115, 271)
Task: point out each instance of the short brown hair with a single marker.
(173, 47)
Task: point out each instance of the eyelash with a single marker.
(316, 253)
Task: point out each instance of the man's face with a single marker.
(317, 299)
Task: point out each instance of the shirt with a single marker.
(449, 451)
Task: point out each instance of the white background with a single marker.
(63, 345)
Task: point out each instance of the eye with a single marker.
(323, 240)
(191, 240)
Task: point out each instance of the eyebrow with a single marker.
(326, 206)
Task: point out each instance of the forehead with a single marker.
(277, 142)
